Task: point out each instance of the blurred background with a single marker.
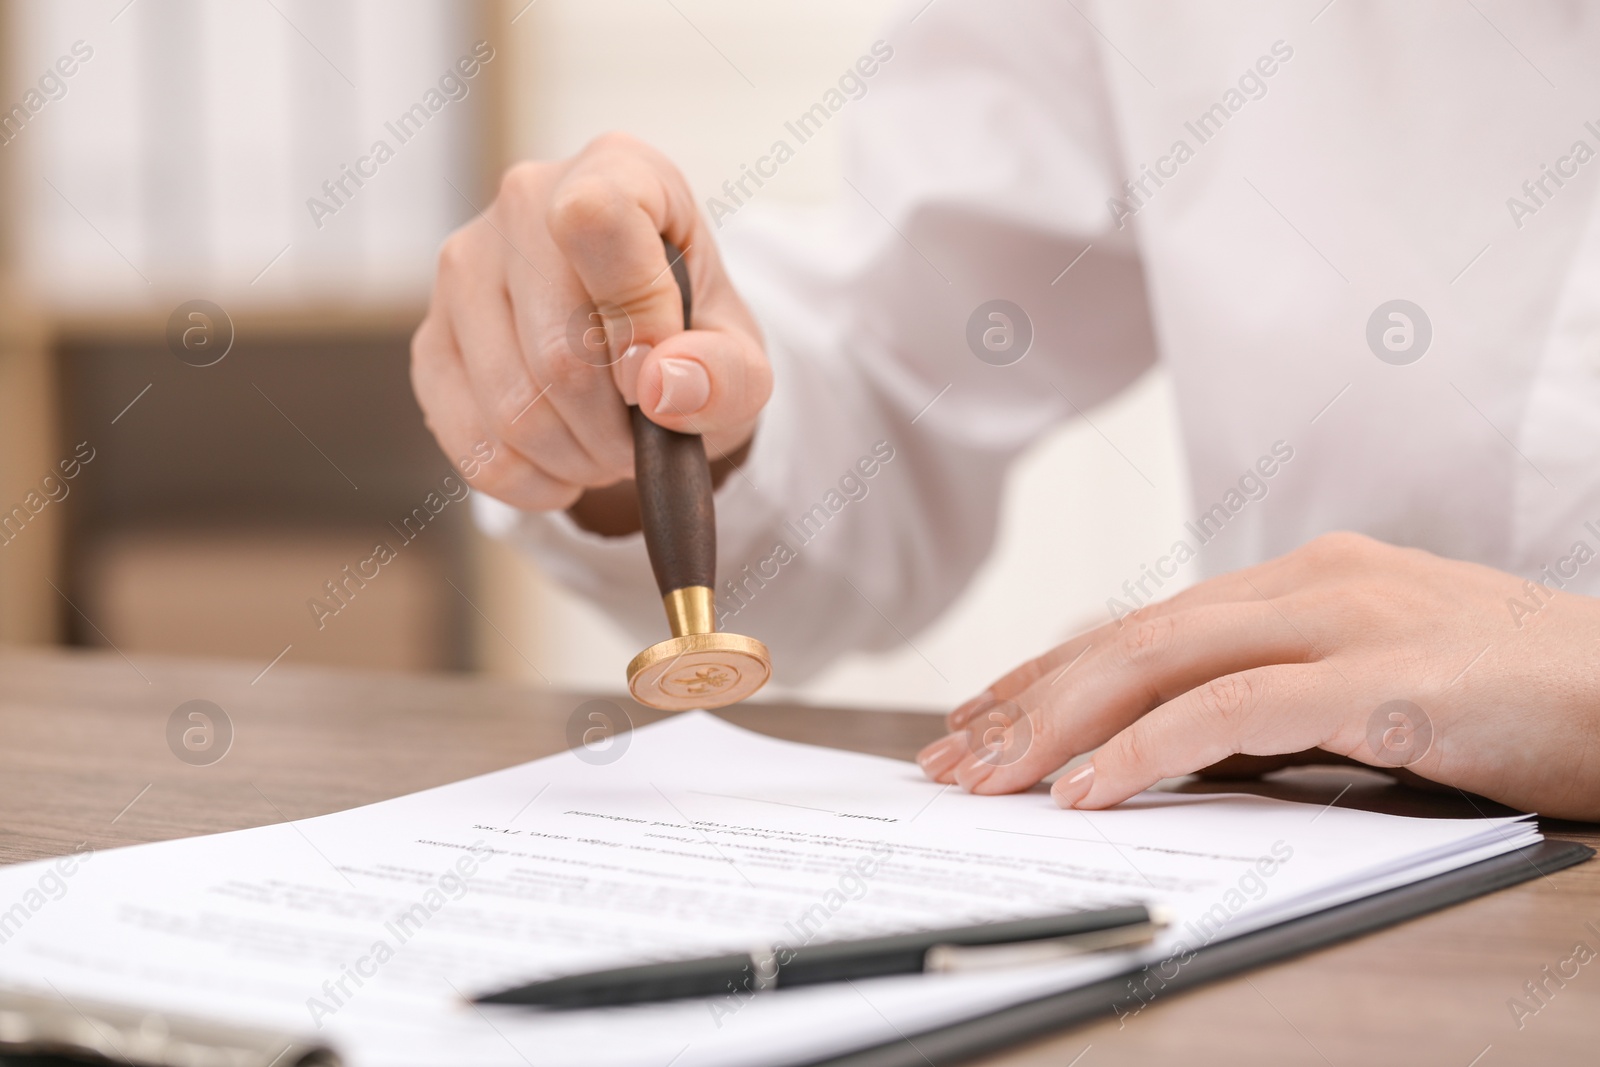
(199, 179)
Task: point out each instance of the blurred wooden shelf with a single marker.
(265, 321)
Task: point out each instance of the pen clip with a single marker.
(952, 959)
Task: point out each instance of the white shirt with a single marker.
(1350, 156)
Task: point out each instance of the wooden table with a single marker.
(84, 758)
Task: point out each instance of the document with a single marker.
(370, 929)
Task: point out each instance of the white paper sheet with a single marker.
(368, 928)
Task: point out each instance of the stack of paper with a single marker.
(368, 929)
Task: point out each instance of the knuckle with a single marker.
(488, 478)
(564, 369)
(1121, 623)
(453, 254)
(422, 345)
(433, 399)
(523, 487)
(1137, 747)
(521, 183)
(513, 415)
(614, 141)
(1148, 639)
(1043, 732)
(1225, 701)
(1338, 546)
(434, 427)
(586, 206)
(498, 483)
(429, 406)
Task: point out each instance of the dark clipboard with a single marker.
(962, 1041)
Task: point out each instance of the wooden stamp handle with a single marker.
(673, 479)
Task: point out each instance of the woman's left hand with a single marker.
(1394, 657)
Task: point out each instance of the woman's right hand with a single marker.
(555, 309)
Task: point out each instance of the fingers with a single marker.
(556, 308)
(1263, 711)
(1244, 585)
(440, 383)
(571, 380)
(1129, 672)
(1064, 656)
(1142, 667)
(1010, 684)
(519, 314)
(519, 408)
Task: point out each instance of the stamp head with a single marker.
(699, 671)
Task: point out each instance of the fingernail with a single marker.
(628, 371)
(963, 714)
(684, 387)
(1070, 791)
(973, 771)
(941, 755)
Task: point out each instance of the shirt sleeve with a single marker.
(966, 291)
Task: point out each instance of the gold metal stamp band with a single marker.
(691, 610)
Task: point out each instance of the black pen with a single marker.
(965, 948)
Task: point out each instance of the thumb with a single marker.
(709, 382)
